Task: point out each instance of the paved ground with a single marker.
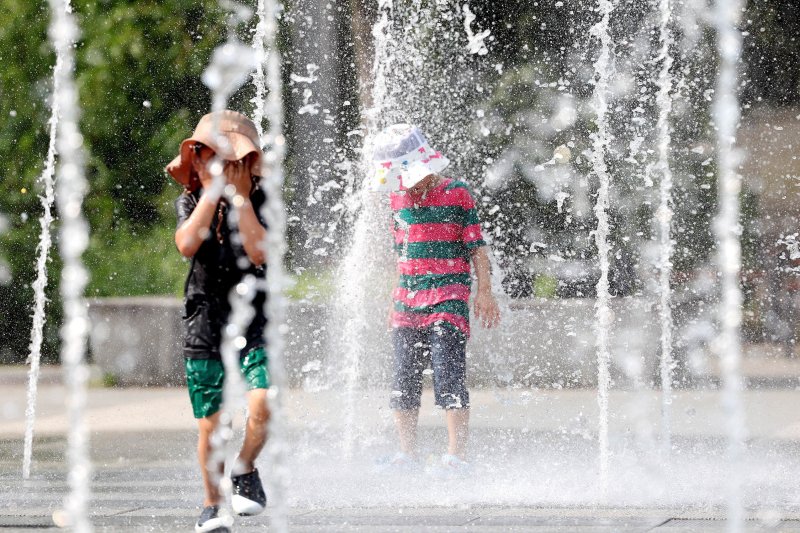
(534, 453)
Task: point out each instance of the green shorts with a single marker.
(205, 377)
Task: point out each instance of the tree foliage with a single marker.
(138, 72)
(139, 67)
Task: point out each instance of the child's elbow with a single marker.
(185, 248)
(186, 252)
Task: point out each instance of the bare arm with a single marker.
(195, 229)
(251, 231)
(485, 306)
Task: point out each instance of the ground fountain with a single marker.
(73, 240)
(664, 216)
(369, 258)
(603, 69)
(598, 436)
(366, 248)
(268, 65)
(391, 106)
(728, 344)
(364, 276)
(45, 242)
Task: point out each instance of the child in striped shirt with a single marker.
(437, 236)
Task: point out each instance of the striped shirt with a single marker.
(433, 238)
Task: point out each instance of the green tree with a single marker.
(139, 66)
(24, 83)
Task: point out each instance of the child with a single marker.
(437, 234)
(221, 258)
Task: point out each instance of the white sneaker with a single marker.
(447, 466)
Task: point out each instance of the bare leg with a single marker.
(255, 435)
(457, 432)
(206, 427)
(405, 420)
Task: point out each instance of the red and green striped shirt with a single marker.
(433, 237)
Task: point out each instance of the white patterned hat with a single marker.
(403, 158)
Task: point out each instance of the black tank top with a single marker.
(219, 265)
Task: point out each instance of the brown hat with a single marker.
(235, 128)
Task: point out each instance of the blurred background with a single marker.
(522, 104)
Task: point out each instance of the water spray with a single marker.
(727, 226)
(371, 210)
(45, 242)
(604, 320)
(664, 218)
(230, 65)
(265, 43)
(73, 240)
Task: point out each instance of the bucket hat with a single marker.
(403, 157)
(235, 138)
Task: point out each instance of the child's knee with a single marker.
(258, 412)
(259, 416)
(206, 426)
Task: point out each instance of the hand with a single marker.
(239, 174)
(212, 188)
(486, 309)
(206, 179)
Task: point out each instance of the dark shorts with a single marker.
(205, 378)
(444, 349)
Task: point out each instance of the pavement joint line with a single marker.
(665, 522)
(121, 513)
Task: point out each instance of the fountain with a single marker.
(73, 240)
(727, 345)
(604, 320)
(365, 273)
(364, 363)
(536, 440)
(274, 212)
(664, 217)
(228, 69)
(365, 247)
(39, 285)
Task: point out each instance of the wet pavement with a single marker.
(534, 453)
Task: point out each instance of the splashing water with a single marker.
(260, 48)
(230, 66)
(603, 70)
(365, 304)
(366, 248)
(73, 240)
(476, 40)
(402, 42)
(40, 283)
(727, 229)
(274, 212)
(664, 217)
